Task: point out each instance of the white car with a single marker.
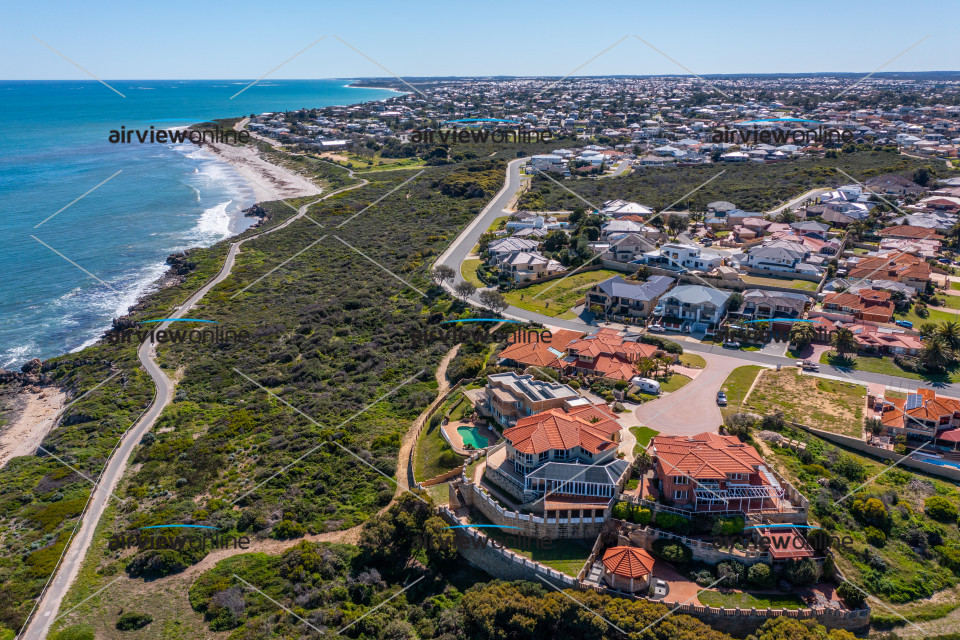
(656, 328)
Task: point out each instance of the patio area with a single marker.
(475, 433)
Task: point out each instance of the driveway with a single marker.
(692, 409)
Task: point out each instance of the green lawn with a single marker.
(558, 296)
(936, 316)
(676, 381)
(732, 600)
(885, 366)
(949, 302)
(564, 555)
(469, 272)
(955, 285)
(816, 402)
(692, 360)
(740, 380)
(804, 285)
(644, 435)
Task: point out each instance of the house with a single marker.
(563, 459)
(620, 208)
(684, 256)
(894, 185)
(760, 304)
(866, 304)
(521, 266)
(505, 246)
(841, 214)
(907, 269)
(525, 220)
(538, 353)
(880, 340)
(910, 232)
(510, 396)
(720, 208)
(620, 227)
(606, 353)
(784, 256)
(811, 228)
(549, 162)
(714, 473)
(623, 247)
(693, 308)
(921, 416)
(627, 568)
(619, 297)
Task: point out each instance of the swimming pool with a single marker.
(471, 436)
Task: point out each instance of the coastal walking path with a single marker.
(405, 459)
(72, 559)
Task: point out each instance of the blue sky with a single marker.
(244, 39)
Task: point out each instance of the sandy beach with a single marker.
(269, 181)
(35, 415)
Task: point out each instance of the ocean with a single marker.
(90, 262)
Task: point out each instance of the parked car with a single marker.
(721, 399)
(944, 260)
(656, 328)
(731, 344)
(903, 323)
(646, 385)
(808, 365)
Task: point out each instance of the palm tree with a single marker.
(936, 353)
(843, 341)
(642, 463)
(646, 365)
(950, 332)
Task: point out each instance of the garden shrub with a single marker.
(75, 632)
(939, 508)
(642, 516)
(672, 551)
(667, 345)
(130, 621)
(949, 557)
(621, 511)
(728, 526)
(157, 563)
(287, 529)
(672, 522)
(730, 573)
(802, 573)
(852, 596)
(761, 576)
(874, 536)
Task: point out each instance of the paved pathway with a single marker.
(692, 409)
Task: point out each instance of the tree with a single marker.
(677, 223)
(464, 290)
(852, 596)
(802, 334)
(442, 273)
(936, 353)
(493, 300)
(642, 462)
(939, 508)
(922, 176)
(439, 541)
(735, 301)
(950, 332)
(843, 341)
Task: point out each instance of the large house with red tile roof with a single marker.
(714, 473)
(920, 416)
(605, 353)
(538, 353)
(568, 456)
(910, 232)
(905, 268)
(866, 304)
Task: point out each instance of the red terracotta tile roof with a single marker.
(910, 232)
(628, 562)
(867, 304)
(538, 354)
(613, 357)
(931, 407)
(891, 268)
(557, 429)
(707, 456)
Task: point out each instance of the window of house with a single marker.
(680, 495)
(544, 455)
(679, 479)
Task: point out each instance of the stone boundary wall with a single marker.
(644, 537)
(443, 477)
(856, 444)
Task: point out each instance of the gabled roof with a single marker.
(653, 288)
(697, 294)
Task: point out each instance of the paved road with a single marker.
(813, 193)
(457, 252)
(461, 246)
(692, 409)
(73, 558)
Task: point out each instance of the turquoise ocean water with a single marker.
(167, 197)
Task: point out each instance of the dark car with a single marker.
(721, 398)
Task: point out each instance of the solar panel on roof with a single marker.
(914, 401)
